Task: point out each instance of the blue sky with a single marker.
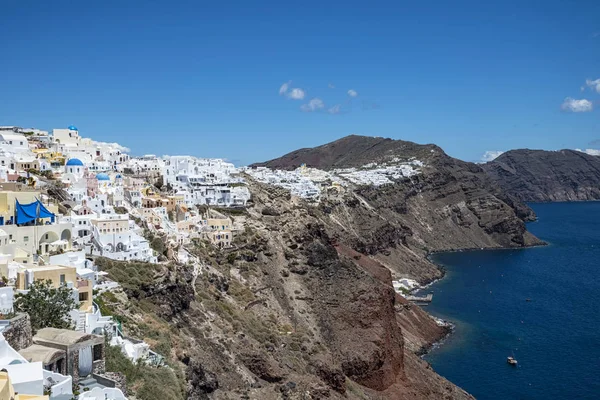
(204, 78)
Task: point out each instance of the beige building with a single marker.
(8, 199)
(115, 224)
(59, 275)
(38, 235)
(219, 238)
(25, 164)
(175, 201)
(218, 224)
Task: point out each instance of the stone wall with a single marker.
(18, 334)
(73, 361)
(98, 366)
(113, 379)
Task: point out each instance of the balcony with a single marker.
(83, 283)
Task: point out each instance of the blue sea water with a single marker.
(555, 337)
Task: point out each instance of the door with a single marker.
(85, 361)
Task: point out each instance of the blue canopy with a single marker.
(32, 211)
(43, 211)
(26, 212)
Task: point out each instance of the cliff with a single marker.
(539, 176)
(302, 306)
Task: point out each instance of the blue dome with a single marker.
(75, 162)
(72, 127)
(102, 177)
(118, 176)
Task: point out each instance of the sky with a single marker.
(250, 81)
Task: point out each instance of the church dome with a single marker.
(72, 127)
(102, 177)
(74, 162)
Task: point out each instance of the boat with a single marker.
(511, 361)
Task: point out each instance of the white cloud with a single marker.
(296, 94)
(594, 84)
(335, 109)
(574, 105)
(591, 152)
(284, 88)
(331, 86)
(313, 105)
(490, 155)
(352, 93)
(116, 146)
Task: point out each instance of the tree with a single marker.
(47, 306)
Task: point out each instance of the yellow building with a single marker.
(8, 200)
(59, 275)
(40, 235)
(7, 391)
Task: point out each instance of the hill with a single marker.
(539, 175)
(350, 151)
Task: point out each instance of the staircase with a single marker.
(81, 323)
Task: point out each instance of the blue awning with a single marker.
(26, 212)
(32, 211)
(43, 211)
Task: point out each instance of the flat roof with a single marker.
(36, 268)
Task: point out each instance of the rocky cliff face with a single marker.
(539, 176)
(290, 313)
(302, 306)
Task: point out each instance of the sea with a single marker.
(539, 305)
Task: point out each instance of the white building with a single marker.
(14, 142)
(114, 237)
(66, 136)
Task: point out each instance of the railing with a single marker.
(83, 283)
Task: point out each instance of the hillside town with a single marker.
(67, 200)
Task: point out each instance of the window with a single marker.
(46, 236)
(26, 239)
(62, 279)
(21, 143)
